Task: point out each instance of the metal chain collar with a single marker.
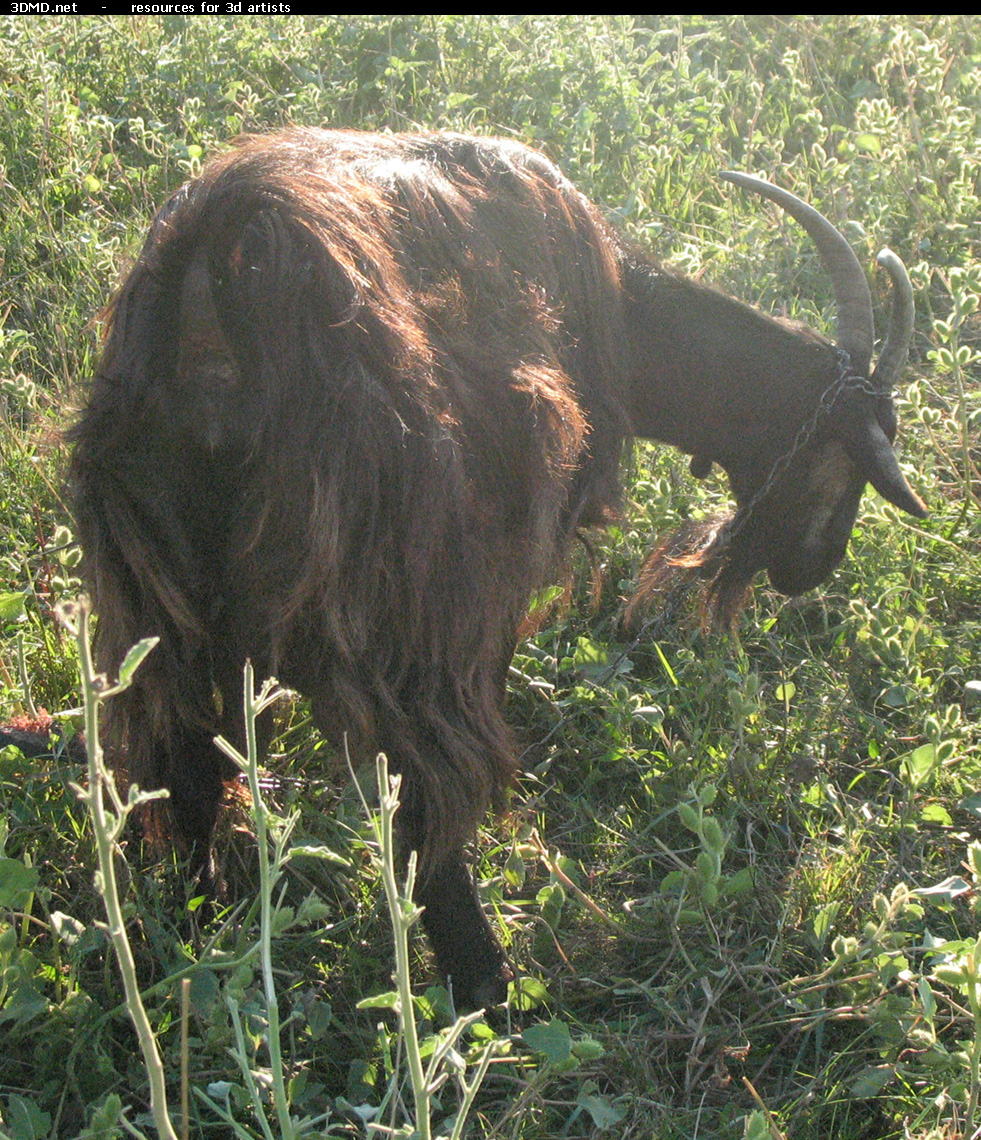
(847, 381)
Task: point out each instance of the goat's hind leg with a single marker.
(196, 781)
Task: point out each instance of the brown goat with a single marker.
(358, 394)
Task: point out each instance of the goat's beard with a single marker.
(712, 553)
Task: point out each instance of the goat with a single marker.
(357, 396)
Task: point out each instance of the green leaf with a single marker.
(387, 1000)
(105, 1120)
(868, 142)
(871, 1081)
(68, 928)
(319, 1018)
(972, 804)
(756, 1126)
(707, 794)
(25, 1120)
(588, 1048)
(605, 1114)
(553, 1040)
(927, 999)
(918, 765)
(825, 920)
(134, 658)
(551, 899)
(24, 1000)
(590, 653)
(666, 665)
(896, 697)
(974, 859)
(740, 884)
(527, 993)
(950, 888)
(12, 606)
(712, 835)
(312, 910)
(514, 869)
(689, 817)
(481, 1031)
(205, 991)
(319, 851)
(545, 597)
(16, 882)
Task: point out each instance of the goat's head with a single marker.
(799, 424)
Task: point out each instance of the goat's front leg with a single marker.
(467, 950)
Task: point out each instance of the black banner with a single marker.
(155, 8)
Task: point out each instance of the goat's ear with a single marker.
(869, 449)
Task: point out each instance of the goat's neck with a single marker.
(713, 376)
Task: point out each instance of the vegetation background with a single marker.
(739, 873)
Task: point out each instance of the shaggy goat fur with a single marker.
(425, 331)
(357, 395)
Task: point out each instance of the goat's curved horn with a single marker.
(869, 449)
(855, 330)
(895, 348)
(869, 446)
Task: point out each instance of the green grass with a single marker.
(705, 875)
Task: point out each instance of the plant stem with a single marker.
(268, 874)
(403, 913)
(107, 827)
